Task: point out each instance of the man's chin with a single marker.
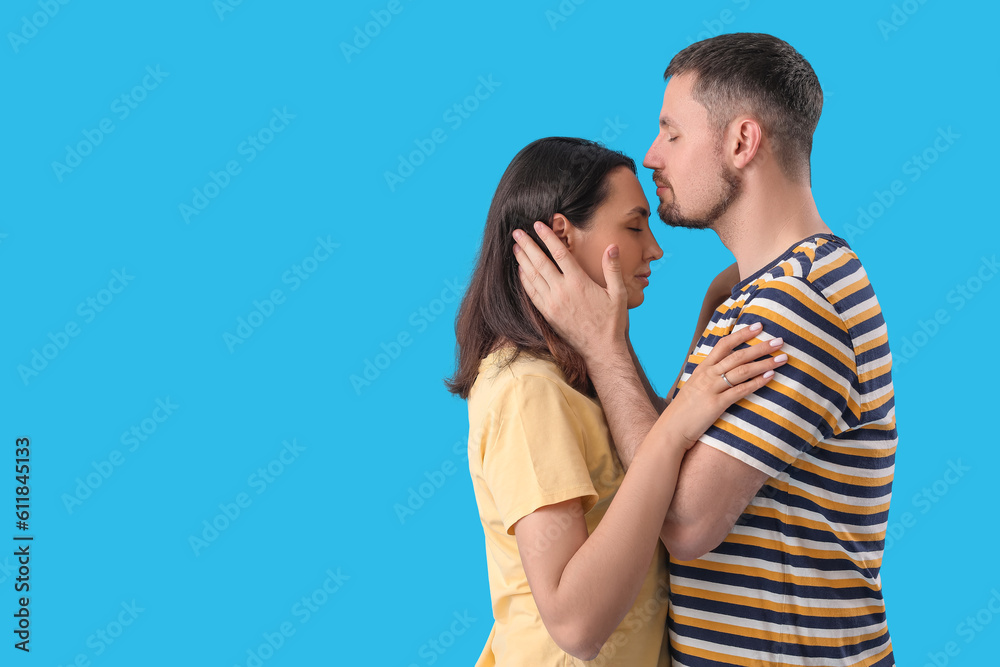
(670, 216)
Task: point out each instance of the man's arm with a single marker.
(628, 430)
(811, 398)
(659, 402)
(713, 490)
(718, 291)
(627, 399)
(628, 419)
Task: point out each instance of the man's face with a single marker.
(696, 186)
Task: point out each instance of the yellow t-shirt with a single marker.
(536, 441)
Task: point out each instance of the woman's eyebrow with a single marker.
(638, 210)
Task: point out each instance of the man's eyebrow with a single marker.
(641, 210)
(668, 121)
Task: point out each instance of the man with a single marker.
(777, 526)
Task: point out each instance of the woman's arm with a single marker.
(584, 585)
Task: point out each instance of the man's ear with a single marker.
(746, 139)
(563, 229)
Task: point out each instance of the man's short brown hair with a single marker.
(764, 77)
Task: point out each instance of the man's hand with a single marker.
(591, 318)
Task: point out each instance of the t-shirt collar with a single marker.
(743, 284)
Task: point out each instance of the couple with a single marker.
(741, 520)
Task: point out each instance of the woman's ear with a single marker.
(562, 227)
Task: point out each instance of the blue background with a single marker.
(403, 252)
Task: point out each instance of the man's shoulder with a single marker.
(818, 261)
(823, 269)
(820, 294)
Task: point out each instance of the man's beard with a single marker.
(732, 187)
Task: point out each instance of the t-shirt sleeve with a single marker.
(811, 397)
(537, 453)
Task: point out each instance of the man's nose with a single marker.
(651, 160)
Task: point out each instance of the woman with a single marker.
(576, 569)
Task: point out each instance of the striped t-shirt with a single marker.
(796, 581)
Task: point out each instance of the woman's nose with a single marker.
(655, 251)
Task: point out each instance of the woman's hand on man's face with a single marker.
(591, 318)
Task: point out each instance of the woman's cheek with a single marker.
(633, 258)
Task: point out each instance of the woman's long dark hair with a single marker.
(548, 176)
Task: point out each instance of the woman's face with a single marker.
(622, 219)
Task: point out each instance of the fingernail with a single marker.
(781, 358)
(613, 252)
(756, 326)
(775, 342)
(518, 234)
(768, 374)
(538, 226)
(517, 248)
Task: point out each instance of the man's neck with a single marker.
(760, 227)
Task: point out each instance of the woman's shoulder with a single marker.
(506, 372)
(506, 364)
